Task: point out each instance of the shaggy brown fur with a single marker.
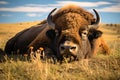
(72, 32)
(72, 16)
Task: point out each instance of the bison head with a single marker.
(72, 25)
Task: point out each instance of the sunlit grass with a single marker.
(100, 67)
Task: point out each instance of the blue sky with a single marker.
(12, 11)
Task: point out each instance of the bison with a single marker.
(65, 33)
(19, 43)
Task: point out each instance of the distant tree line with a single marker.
(115, 25)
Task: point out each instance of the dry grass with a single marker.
(100, 67)
(110, 32)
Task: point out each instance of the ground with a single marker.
(100, 67)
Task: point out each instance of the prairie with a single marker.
(100, 67)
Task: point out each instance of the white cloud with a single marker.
(83, 4)
(26, 9)
(114, 8)
(3, 2)
(48, 7)
(33, 15)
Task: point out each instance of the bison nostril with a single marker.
(73, 48)
(62, 48)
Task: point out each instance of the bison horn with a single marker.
(49, 19)
(95, 24)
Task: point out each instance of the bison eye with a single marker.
(84, 33)
(73, 48)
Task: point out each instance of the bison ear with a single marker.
(94, 34)
(98, 34)
(51, 34)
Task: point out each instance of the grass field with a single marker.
(101, 67)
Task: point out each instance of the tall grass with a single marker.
(100, 67)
